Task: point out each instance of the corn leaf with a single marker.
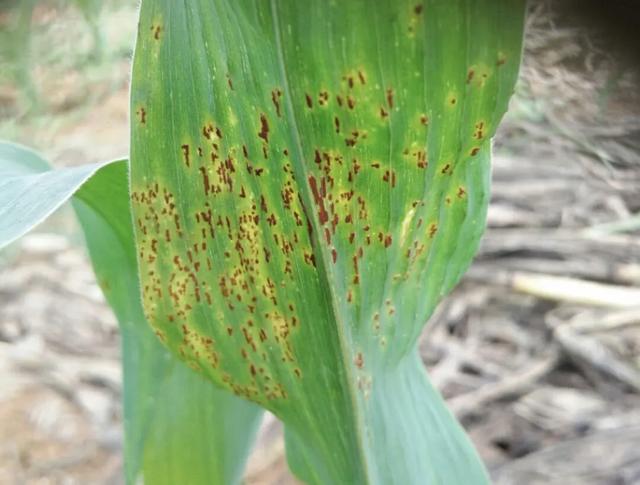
(176, 424)
(308, 180)
(30, 192)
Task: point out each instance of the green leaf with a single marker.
(30, 192)
(176, 424)
(308, 180)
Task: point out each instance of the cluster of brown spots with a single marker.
(478, 134)
(156, 30)
(502, 59)
(376, 323)
(351, 78)
(474, 151)
(197, 348)
(418, 9)
(162, 336)
(323, 98)
(391, 310)
(453, 100)
(352, 140)
(255, 240)
(245, 241)
(318, 198)
(421, 158)
(415, 251)
(229, 82)
(389, 176)
(209, 131)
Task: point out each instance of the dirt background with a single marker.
(537, 351)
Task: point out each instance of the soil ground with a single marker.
(537, 351)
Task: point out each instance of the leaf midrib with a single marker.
(324, 269)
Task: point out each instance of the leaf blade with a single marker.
(176, 424)
(308, 182)
(22, 172)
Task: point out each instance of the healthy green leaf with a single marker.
(308, 180)
(30, 192)
(176, 424)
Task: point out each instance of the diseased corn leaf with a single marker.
(308, 180)
(176, 423)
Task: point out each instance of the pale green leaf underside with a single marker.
(308, 180)
(176, 424)
(29, 192)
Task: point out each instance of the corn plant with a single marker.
(307, 181)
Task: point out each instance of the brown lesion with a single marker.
(264, 128)
(185, 154)
(156, 30)
(390, 98)
(358, 360)
(470, 75)
(351, 102)
(276, 94)
(142, 115)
